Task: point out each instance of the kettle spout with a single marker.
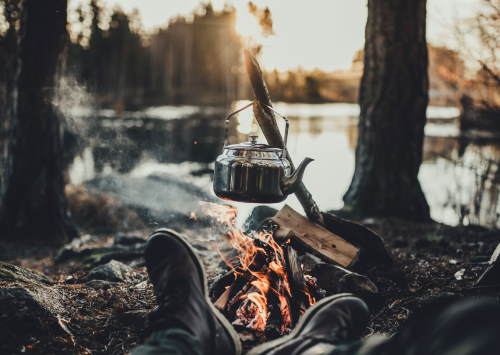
(290, 183)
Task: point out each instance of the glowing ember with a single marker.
(261, 260)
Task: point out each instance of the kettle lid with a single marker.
(253, 146)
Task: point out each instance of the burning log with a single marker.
(221, 284)
(223, 298)
(298, 284)
(295, 274)
(232, 305)
(278, 322)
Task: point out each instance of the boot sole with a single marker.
(225, 323)
(260, 349)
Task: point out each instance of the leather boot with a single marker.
(332, 322)
(180, 286)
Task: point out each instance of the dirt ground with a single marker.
(435, 259)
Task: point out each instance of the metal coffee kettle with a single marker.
(254, 172)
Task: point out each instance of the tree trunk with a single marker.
(33, 205)
(393, 100)
(9, 61)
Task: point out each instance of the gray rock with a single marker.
(258, 216)
(32, 300)
(111, 271)
(29, 308)
(101, 284)
(128, 240)
(98, 256)
(10, 272)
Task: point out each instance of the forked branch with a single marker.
(267, 122)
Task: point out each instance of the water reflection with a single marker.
(466, 183)
(461, 179)
(121, 144)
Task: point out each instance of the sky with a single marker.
(311, 34)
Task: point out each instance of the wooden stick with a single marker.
(267, 122)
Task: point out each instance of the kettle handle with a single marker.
(232, 114)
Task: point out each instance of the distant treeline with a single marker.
(197, 60)
(446, 81)
(193, 60)
(313, 86)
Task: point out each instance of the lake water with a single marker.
(460, 178)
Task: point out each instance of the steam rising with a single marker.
(74, 102)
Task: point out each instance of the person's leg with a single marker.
(170, 342)
(467, 327)
(185, 322)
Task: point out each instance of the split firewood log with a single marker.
(373, 251)
(318, 240)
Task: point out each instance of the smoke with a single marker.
(264, 17)
(75, 105)
(74, 102)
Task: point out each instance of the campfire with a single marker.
(265, 289)
(267, 286)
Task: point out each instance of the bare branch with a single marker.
(490, 72)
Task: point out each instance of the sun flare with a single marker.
(247, 25)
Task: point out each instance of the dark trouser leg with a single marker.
(185, 321)
(469, 327)
(173, 341)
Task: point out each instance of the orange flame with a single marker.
(254, 311)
